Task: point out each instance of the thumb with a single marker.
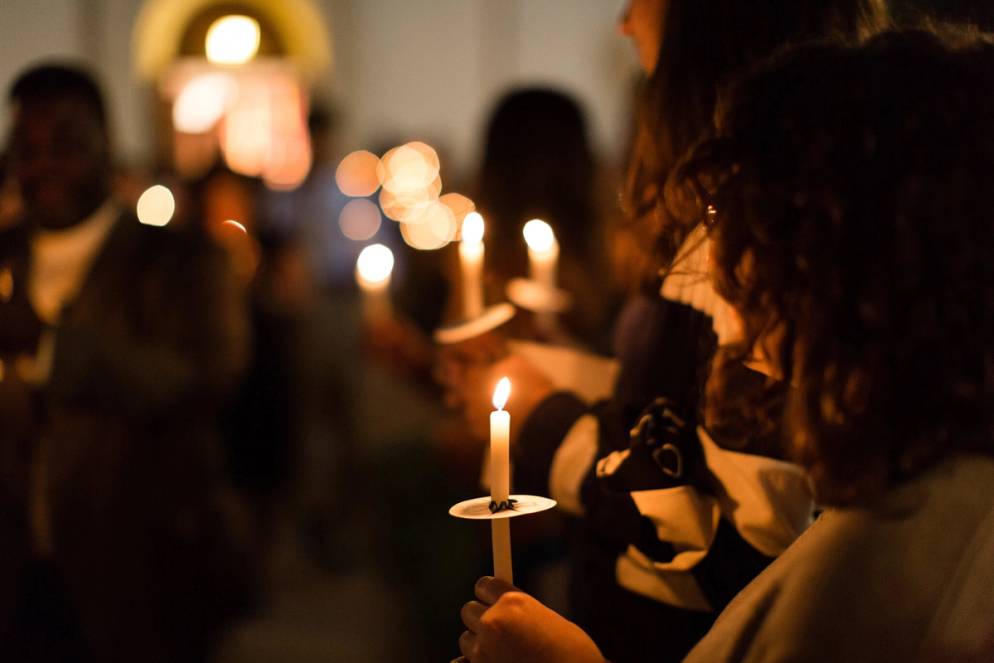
(489, 589)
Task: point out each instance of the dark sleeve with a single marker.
(540, 437)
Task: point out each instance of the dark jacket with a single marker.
(123, 436)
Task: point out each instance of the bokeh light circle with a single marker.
(432, 226)
(375, 263)
(459, 204)
(202, 102)
(156, 206)
(539, 236)
(359, 219)
(232, 39)
(472, 228)
(356, 174)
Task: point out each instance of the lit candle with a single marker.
(543, 252)
(372, 271)
(471, 261)
(500, 479)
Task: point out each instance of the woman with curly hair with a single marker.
(673, 519)
(847, 199)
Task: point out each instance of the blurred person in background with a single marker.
(120, 343)
(674, 519)
(538, 163)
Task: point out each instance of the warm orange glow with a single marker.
(156, 206)
(247, 136)
(408, 168)
(472, 228)
(411, 183)
(356, 175)
(231, 223)
(203, 101)
(289, 155)
(360, 219)
(501, 393)
(242, 248)
(428, 154)
(406, 207)
(435, 188)
(428, 227)
(539, 236)
(232, 40)
(375, 263)
(459, 204)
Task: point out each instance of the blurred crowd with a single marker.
(199, 411)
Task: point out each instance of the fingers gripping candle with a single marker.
(500, 481)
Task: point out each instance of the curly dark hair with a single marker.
(706, 44)
(850, 195)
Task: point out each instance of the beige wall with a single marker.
(427, 69)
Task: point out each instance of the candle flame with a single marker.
(156, 206)
(472, 228)
(232, 40)
(375, 263)
(539, 236)
(501, 393)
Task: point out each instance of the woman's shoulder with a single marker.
(883, 582)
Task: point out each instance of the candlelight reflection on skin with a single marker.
(231, 223)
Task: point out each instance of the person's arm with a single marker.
(542, 434)
(506, 625)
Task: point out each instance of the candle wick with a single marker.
(506, 505)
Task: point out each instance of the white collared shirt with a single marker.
(61, 260)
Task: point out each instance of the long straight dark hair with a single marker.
(705, 44)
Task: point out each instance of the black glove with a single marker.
(664, 452)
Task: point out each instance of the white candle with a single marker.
(372, 271)
(500, 479)
(543, 252)
(471, 262)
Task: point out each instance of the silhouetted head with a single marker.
(59, 145)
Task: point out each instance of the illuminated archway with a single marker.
(161, 25)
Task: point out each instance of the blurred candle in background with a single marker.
(471, 262)
(500, 479)
(543, 252)
(373, 269)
